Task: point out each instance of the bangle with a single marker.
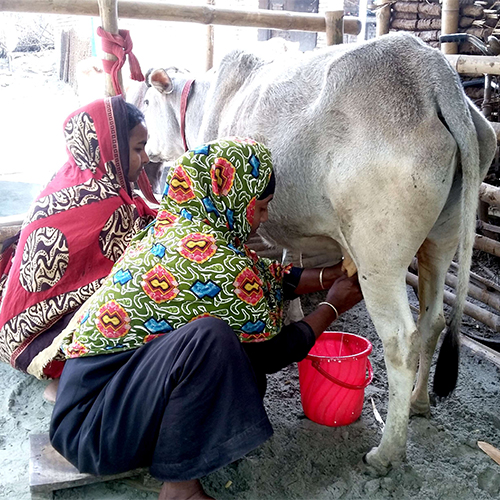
(321, 278)
(333, 307)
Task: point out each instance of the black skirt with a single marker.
(185, 404)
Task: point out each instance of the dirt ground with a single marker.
(303, 460)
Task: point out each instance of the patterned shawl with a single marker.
(73, 233)
(190, 262)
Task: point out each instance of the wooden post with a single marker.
(108, 10)
(383, 20)
(449, 24)
(210, 42)
(334, 27)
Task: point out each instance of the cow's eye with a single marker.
(146, 102)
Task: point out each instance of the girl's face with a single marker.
(261, 215)
(137, 154)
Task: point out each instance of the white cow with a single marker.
(376, 149)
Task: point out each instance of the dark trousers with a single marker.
(185, 404)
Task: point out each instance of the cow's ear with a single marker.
(160, 80)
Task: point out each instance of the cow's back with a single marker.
(341, 121)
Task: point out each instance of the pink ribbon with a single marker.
(120, 46)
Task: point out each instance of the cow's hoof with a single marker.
(375, 465)
(418, 409)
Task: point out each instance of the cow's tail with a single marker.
(457, 114)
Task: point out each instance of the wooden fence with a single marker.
(201, 14)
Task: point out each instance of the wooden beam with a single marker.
(108, 10)
(49, 471)
(201, 14)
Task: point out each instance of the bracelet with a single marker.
(333, 307)
(321, 278)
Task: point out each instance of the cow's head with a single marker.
(159, 100)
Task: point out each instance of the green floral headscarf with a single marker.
(190, 262)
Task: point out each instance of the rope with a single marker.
(120, 46)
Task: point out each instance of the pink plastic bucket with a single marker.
(333, 378)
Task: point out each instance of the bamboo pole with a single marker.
(487, 245)
(450, 16)
(108, 10)
(490, 194)
(482, 350)
(477, 293)
(383, 19)
(479, 279)
(489, 319)
(474, 65)
(483, 226)
(202, 14)
(334, 27)
(210, 42)
(490, 299)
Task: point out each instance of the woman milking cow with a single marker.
(164, 364)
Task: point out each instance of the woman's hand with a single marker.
(343, 294)
(317, 279)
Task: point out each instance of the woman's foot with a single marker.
(183, 490)
(50, 392)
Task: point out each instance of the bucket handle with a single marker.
(331, 378)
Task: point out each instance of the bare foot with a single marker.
(183, 490)
(50, 392)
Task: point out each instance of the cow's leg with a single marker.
(387, 302)
(434, 258)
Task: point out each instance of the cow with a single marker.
(378, 151)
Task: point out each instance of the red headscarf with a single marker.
(76, 229)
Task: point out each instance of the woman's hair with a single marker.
(134, 116)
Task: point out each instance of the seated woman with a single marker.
(73, 233)
(168, 359)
